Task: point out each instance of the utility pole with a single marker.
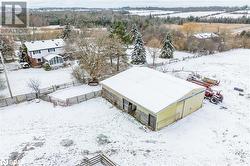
(5, 72)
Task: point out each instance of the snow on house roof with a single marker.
(149, 88)
(50, 56)
(44, 44)
(205, 35)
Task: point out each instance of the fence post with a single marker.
(6, 102)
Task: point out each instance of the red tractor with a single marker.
(213, 96)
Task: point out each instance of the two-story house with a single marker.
(38, 50)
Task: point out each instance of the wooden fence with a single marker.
(73, 100)
(31, 96)
(170, 61)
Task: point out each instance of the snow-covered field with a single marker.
(188, 14)
(230, 15)
(165, 14)
(148, 12)
(18, 79)
(216, 135)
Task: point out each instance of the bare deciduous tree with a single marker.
(153, 49)
(7, 47)
(116, 51)
(34, 85)
(92, 56)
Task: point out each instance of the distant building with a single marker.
(204, 43)
(206, 35)
(153, 98)
(39, 49)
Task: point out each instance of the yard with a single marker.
(19, 79)
(215, 135)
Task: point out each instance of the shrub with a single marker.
(47, 67)
(80, 75)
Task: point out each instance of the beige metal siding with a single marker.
(167, 116)
(189, 104)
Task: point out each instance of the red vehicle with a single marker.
(213, 96)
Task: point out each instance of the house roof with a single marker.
(205, 35)
(44, 44)
(149, 88)
(50, 56)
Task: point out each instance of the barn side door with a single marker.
(152, 122)
(179, 110)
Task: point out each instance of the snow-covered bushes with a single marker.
(80, 75)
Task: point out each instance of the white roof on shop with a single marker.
(149, 88)
(50, 56)
(44, 44)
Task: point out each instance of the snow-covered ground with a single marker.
(188, 14)
(74, 91)
(18, 79)
(177, 55)
(164, 14)
(230, 15)
(216, 135)
(148, 12)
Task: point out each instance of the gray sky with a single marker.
(134, 3)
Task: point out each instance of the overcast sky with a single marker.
(134, 3)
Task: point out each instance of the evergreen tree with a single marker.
(119, 29)
(139, 52)
(167, 50)
(66, 32)
(134, 31)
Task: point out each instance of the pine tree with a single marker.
(66, 32)
(139, 52)
(134, 31)
(119, 29)
(167, 50)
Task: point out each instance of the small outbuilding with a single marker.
(154, 98)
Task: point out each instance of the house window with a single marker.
(37, 52)
(51, 50)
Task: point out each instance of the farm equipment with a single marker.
(208, 82)
(211, 81)
(213, 96)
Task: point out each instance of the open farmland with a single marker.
(207, 27)
(189, 14)
(200, 14)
